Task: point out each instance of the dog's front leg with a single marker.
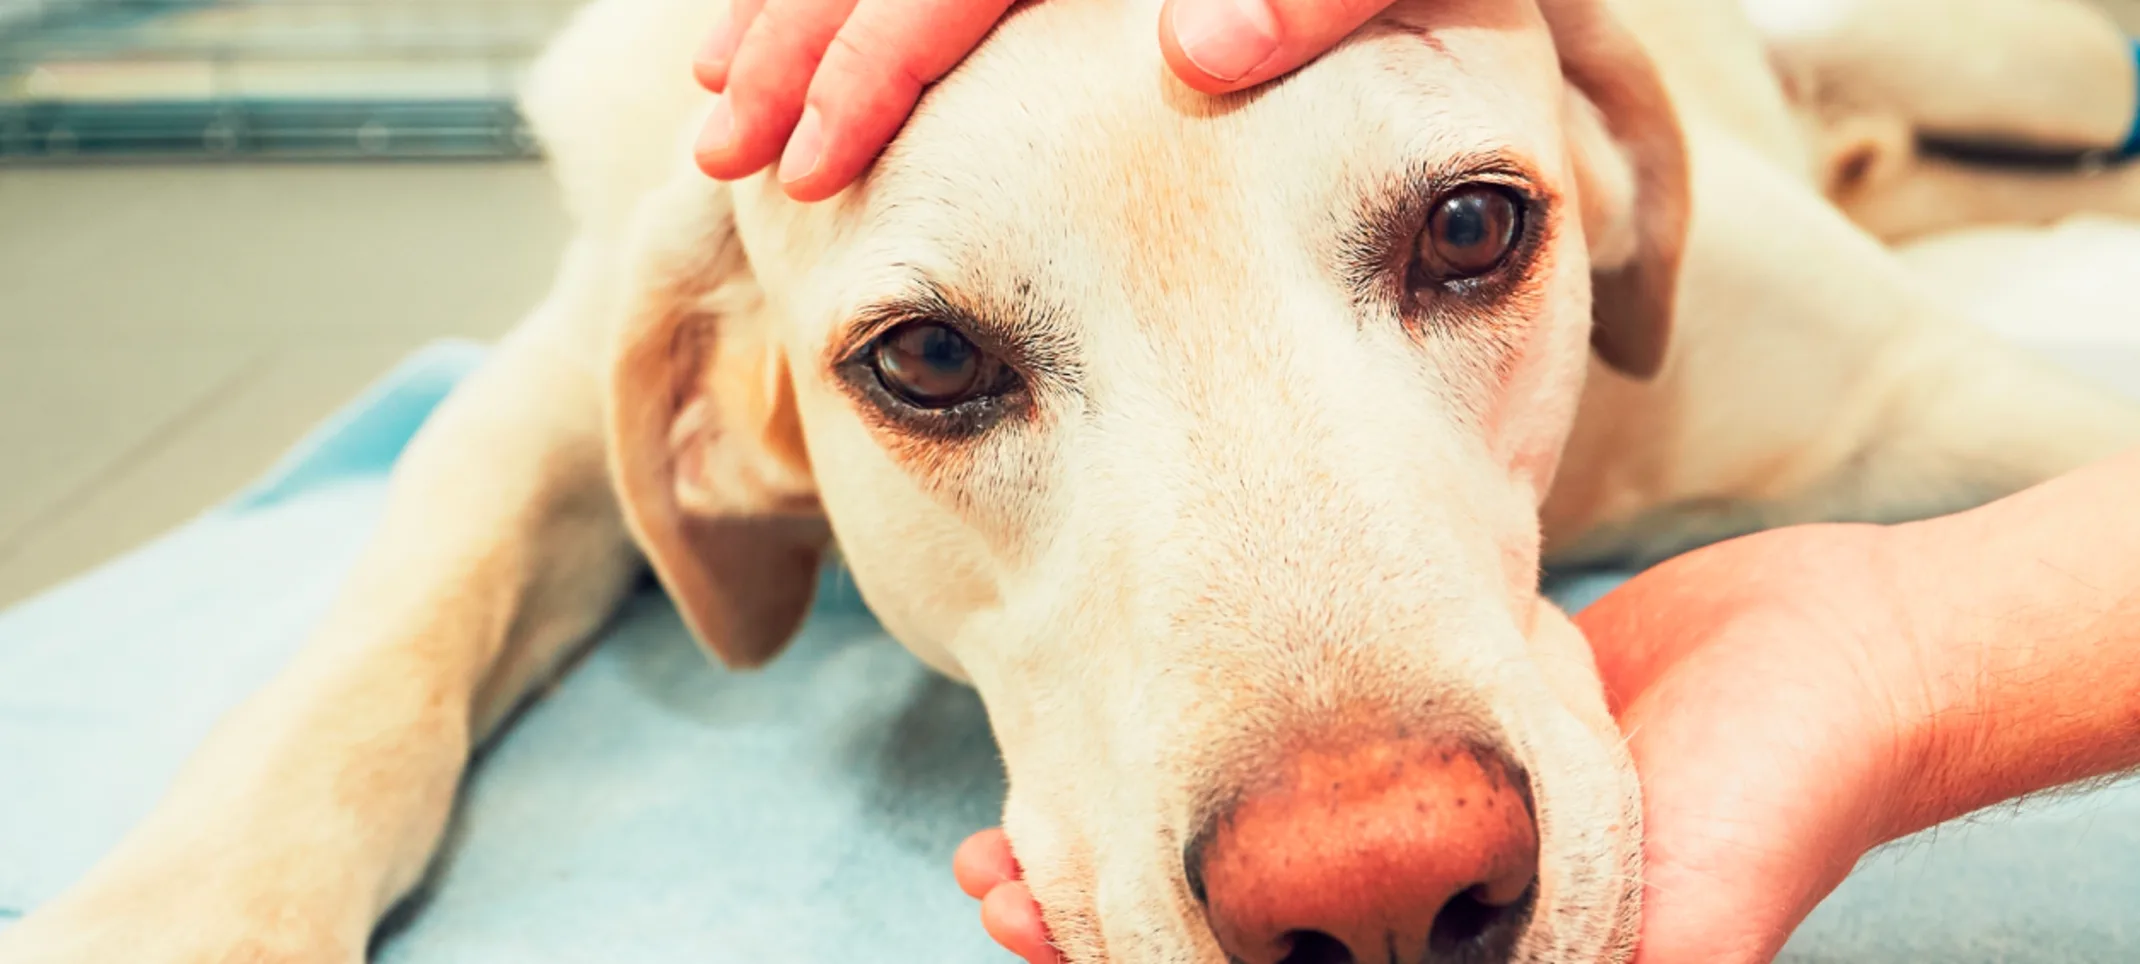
(316, 804)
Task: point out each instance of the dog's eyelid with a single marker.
(1036, 344)
(866, 324)
(1505, 168)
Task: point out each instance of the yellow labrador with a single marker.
(1215, 441)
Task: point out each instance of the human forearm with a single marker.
(2028, 644)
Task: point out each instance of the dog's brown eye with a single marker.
(931, 365)
(1469, 233)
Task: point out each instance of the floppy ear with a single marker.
(1631, 169)
(705, 446)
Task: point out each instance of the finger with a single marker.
(1013, 920)
(869, 80)
(1217, 46)
(711, 65)
(771, 72)
(984, 862)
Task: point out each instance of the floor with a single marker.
(165, 332)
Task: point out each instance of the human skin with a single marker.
(1795, 698)
(820, 86)
(1791, 699)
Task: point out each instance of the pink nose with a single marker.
(1384, 852)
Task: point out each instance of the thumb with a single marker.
(1217, 46)
(1691, 916)
(1745, 827)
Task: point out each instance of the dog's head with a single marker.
(1205, 437)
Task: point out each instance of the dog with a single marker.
(1218, 442)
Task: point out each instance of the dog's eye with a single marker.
(1469, 233)
(930, 365)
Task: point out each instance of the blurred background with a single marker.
(220, 218)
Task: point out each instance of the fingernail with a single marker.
(720, 45)
(1226, 39)
(708, 65)
(805, 148)
(719, 130)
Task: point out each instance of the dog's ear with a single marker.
(1631, 169)
(705, 446)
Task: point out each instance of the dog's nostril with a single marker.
(1315, 947)
(1389, 853)
(1468, 921)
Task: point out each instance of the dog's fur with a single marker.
(1247, 499)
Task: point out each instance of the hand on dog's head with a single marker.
(1205, 436)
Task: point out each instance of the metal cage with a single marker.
(254, 79)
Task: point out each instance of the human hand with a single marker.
(822, 85)
(987, 872)
(1765, 689)
(1761, 684)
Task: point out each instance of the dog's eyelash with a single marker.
(926, 304)
(1040, 343)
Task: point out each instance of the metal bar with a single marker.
(266, 79)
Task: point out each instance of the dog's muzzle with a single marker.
(1400, 852)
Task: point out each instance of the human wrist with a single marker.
(1897, 691)
(1932, 684)
(2023, 624)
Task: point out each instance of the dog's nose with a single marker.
(1379, 852)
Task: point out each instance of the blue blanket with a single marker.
(653, 808)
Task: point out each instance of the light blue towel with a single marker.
(654, 808)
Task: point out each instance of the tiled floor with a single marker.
(166, 331)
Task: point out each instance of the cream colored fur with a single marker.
(1243, 508)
